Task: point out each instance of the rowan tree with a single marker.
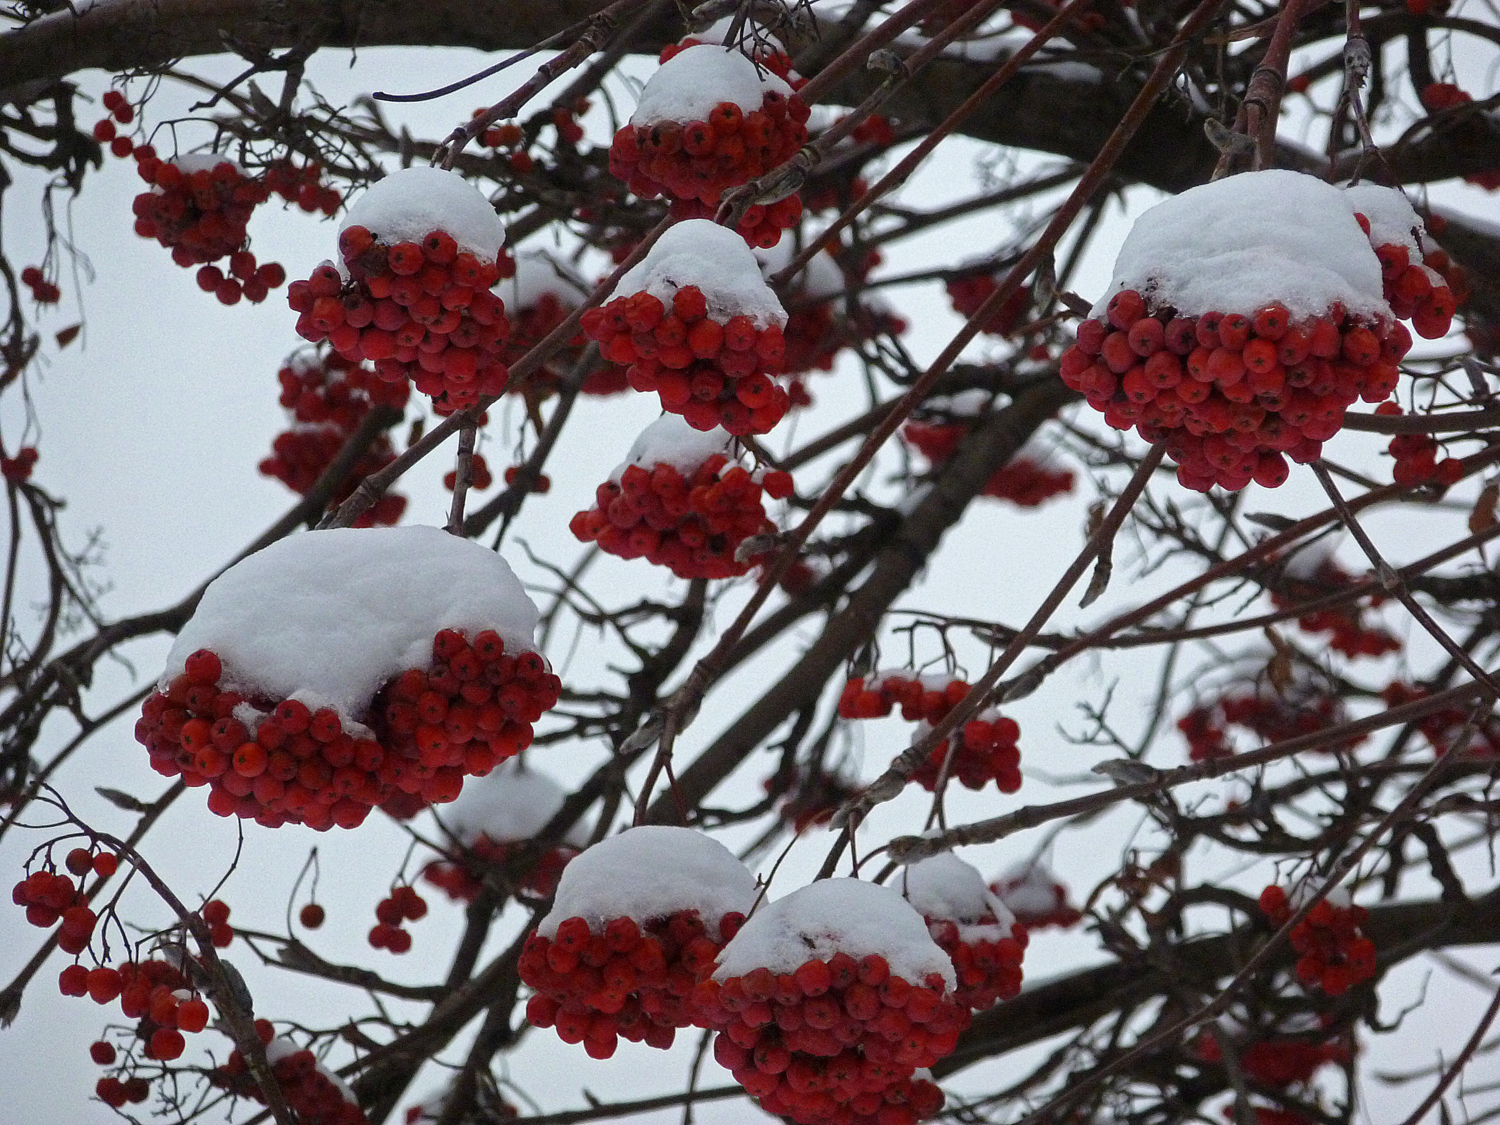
(1160, 513)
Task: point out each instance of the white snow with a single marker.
(191, 162)
(327, 617)
(282, 1047)
(832, 916)
(1239, 243)
(410, 204)
(945, 887)
(510, 802)
(650, 872)
(693, 81)
(964, 404)
(1393, 220)
(538, 273)
(715, 259)
(671, 441)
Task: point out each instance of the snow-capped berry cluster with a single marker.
(1441, 728)
(333, 617)
(403, 904)
(1273, 716)
(48, 898)
(1235, 336)
(1334, 955)
(1028, 480)
(638, 921)
(493, 823)
(707, 121)
(43, 292)
(811, 798)
(197, 207)
(303, 185)
(1036, 897)
(1312, 574)
(315, 1094)
(17, 469)
(696, 323)
(1281, 1061)
(420, 251)
(970, 289)
(330, 397)
(981, 937)
(819, 325)
(680, 502)
(828, 1001)
(104, 131)
(1420, 282)
(986, 749)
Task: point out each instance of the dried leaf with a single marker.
(1271, 520)
(1099, 583)
(122, 800)
(67, 335)
(1482, 518)
(1279, 667)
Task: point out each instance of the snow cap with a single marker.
(650, 872)
(538, 273)
(671, 441)
(693, 81)
(1029, 889)
(945, 887)
(328, 617)
(1240, 243)
(715, 259)
(508, 803)
(1393, 220)
(282, 1048)
(836, 916)
(410, 204)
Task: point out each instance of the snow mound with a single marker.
(715, 259)
(650, 872)
(1030, 890)
(508, 803)
(281, 1047)
(693, 81)
(946, 887)
(1393, 220)
(410, 204)
(671, 441)
(1240, 243)
(328, 617)
(833, 916)
(191, 162)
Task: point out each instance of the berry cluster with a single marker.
(1231, 393)
(115, 1092)
(1347, 631)
(245, 279)
(419, 311)
(711, 373)
(1441, 728)
(542, 484)
(760, 226)
(463, 876)
(835, 1041)
(153, 993)
(627, 979)
(692, 525)
(472, 709)
(403, 904)
(49, 898)
(967, 291)
(986, 749)
(1417, 457)
(1333, 953)
(1025, 481)
(532, 322)
(1280, 1061)
(1417, 291)
(315, 1095)
(43, 292)
(329, 398)
(811, 798)
(480, 476)
(1273, 717)
(815, 333)
(986, 957)
(303, 185)
(121, 112)
(197, 208)
(216, 914)
(17, 469)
